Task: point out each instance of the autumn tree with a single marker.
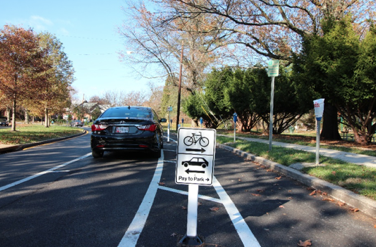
(21, 65)
(156, 44)
(136, 98)
(54, 93)
(99, 100)
(275, 28)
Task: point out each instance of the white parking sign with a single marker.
(196, 156)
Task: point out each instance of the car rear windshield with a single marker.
(127, 113)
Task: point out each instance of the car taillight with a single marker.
(150, 127)
(98, 127)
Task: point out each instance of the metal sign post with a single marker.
(273, 71)
(319, 109)
(194, 167)
(169, 109)
(235, 117)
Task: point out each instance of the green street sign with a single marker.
(273, 68)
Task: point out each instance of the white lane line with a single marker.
(182, 192)
(172, 140)
(41, 173)
(170, 161)
(241, 226)
(133, 232)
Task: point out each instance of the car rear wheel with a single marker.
(157, 154)
(97, 154)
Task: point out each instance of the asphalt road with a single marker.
(58, 195)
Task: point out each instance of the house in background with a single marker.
(90, 111)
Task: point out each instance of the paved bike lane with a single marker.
(277, 210)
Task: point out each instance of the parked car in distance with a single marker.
(4, 121)
(127, 129)
(77, 123)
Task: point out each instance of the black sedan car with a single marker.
(127, 128)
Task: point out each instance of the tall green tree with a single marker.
(210, 103)
(337, 66)
(247, 92)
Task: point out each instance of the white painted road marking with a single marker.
(240, 225)
(41, 173)
(133, 232)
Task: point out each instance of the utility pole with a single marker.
(180, 75)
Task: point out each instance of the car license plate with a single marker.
(121, 130)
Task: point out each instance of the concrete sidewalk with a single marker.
(358, 159)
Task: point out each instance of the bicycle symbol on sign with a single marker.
(189, 140)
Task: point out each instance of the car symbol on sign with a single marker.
(196, 161)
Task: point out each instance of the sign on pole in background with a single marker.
(319, 108)
(235, 118)
(196, 155)
(273, 68)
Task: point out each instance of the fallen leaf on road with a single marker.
(328, 199)
(260, 191)
(305, 243)
(255, 194)
(341, 204)
(354, 209)
(374, 226)
(199, 203)
(324, 194)
(161, 183)
(278, 177)
(214, 209)
(183, 207)
(282, 206)
(312, 193)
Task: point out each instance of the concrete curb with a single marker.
(20, 147)
(364, 204)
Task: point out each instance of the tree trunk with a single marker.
(14, 114)
(8, 113)
(46, 122)
(330, 123)
(26, 116)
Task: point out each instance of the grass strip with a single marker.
(35, 133)
(311, 144)
(359, 179)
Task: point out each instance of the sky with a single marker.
(88, 31)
